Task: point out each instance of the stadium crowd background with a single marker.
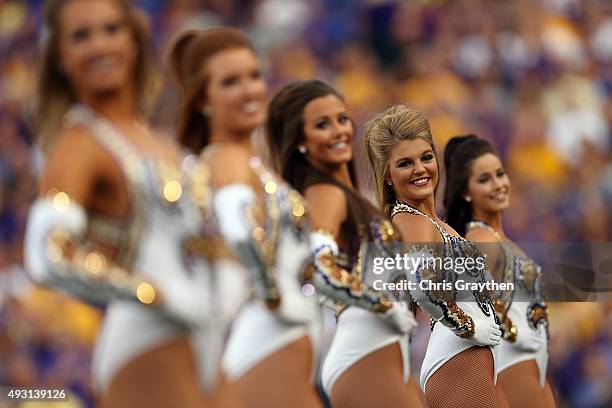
(535, 77)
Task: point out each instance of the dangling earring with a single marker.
(389, 182)
(207, 111)
(302, 149)
(468, 199)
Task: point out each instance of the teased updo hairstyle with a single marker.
(382, 133)
(459, 155)
(188, 56)
(54, 92)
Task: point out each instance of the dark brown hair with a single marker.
(54, 92)
(285, 131)
(188, 56)
(459, 154)
(285, 128)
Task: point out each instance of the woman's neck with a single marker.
(119, 107)
(426, 206)
(243, 140)
(339, 173)
(491, 218)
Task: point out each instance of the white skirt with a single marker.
(258, 333)
(509, 354)
(444, 345)
(358, 333)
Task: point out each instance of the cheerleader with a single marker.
(274, 337)
(477, 191)
(459, 365)
(115, 208)
(310, 135)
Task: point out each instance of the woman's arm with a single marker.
(422, 238)
(56, 250)
(245, 215)
(490, 247)
(328, 211)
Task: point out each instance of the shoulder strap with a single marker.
(481, 224)
(130, 163)
(510, 258)
(111, 139)
(400, 207)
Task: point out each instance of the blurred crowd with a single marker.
(533, 76)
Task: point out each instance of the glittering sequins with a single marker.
(464, 324)
(283, 208)
(74, 261)
(345, 286)
(537, 313)
(527, 275)
(445, 300)
(508, 328)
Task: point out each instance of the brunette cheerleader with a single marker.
(310, 135)
(477, 192)
(271, 351)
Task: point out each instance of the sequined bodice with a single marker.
(453, 247)
(289, 204)
(283, 207)
(526, 275)
(163, 194)
(518, 268)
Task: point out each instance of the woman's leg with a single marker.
(414, 392)
(549, 395)
(163, 377)
(281, 380)
(225, 395)
(466, 380)
(375, 381)
(521, 384)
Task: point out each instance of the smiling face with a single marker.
(413, 170)
(488, 184)
(236, 92)
(328, 132)
(96, 46)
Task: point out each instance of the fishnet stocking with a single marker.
(466, 380)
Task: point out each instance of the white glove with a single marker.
(297, 308)
(293, 254)
(486, 333)
(529, 339)
(187, 300)
(61, 214)
(186, 289)
(401, 319)
(45, 216)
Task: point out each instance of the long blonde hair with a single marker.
(382, 133)
(54, 92)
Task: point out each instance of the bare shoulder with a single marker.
(229, 164)
(75, 138)
(73, 163)
(480, 234)
(167, 140)
(490, 247)
(448, 228)
(416, 228)
(327, 206)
